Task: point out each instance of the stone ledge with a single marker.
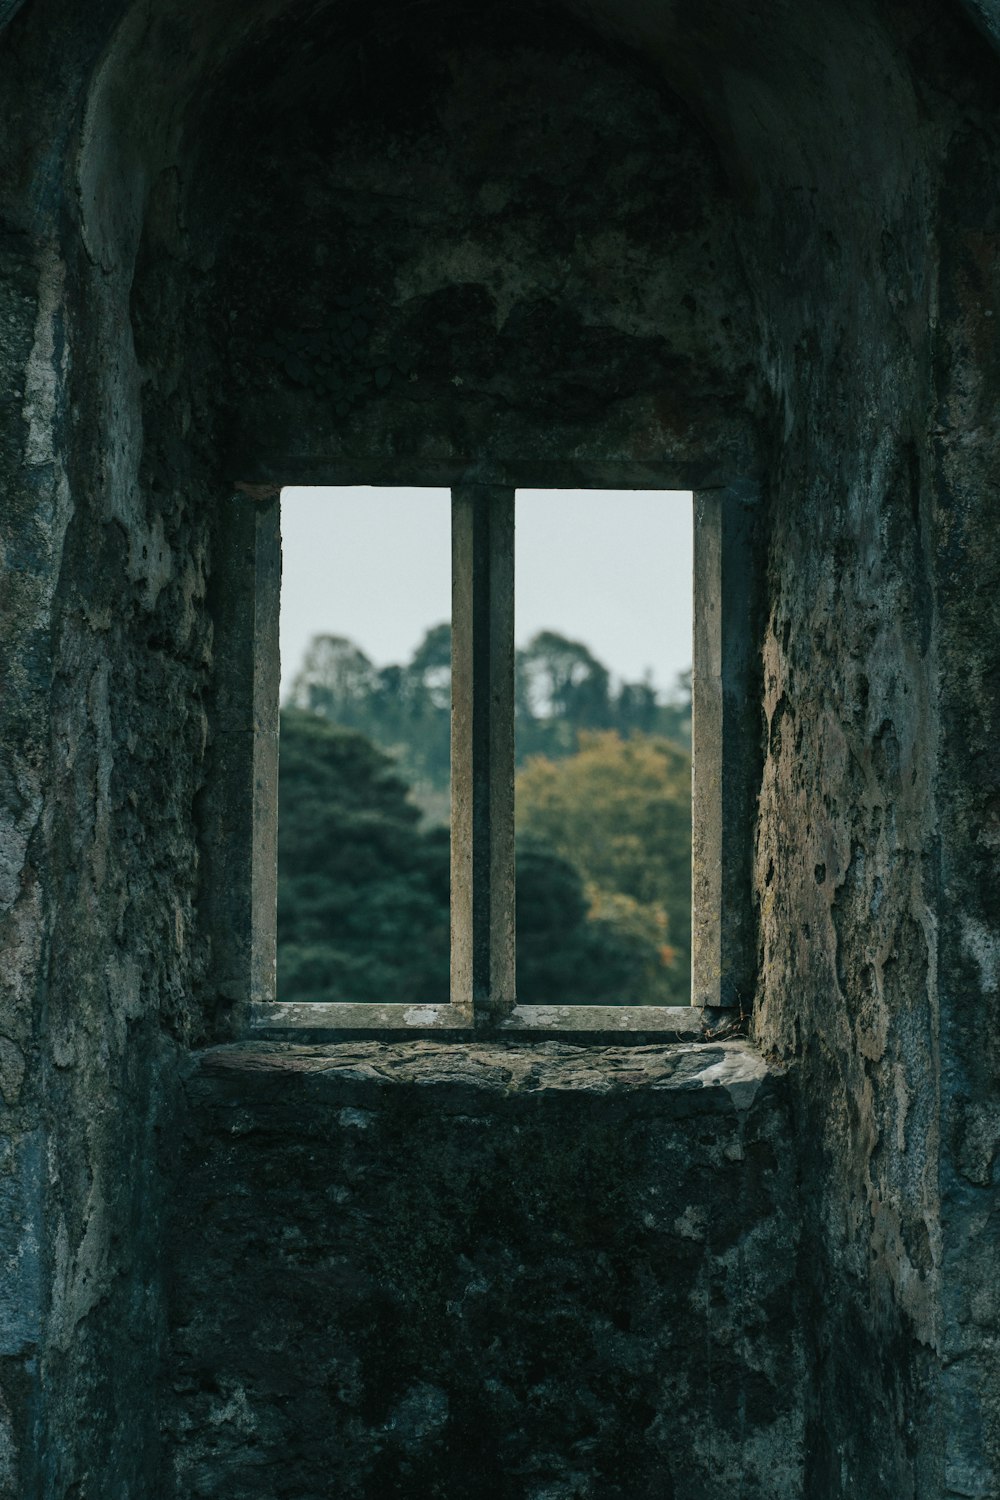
(632, 1025)
(686, 1078)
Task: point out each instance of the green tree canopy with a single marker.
(620, 811)
(561, 690)
(565, 953)
(362, 895)
(363, 892)
(404, 709)
(336, 680)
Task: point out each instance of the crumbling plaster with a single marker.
(783, 257)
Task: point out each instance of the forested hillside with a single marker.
(561, 689)
(603, 812)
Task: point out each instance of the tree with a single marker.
(636, 708)
(363, 896)
(430, 666)
(426, 680)
(560, 689)
(363, 892)
(565, 954)
(404, 709)
(620, 811)
(336, 680)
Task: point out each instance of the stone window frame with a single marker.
(240, 823)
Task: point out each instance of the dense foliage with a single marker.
(567, 953)
(620, 810)
(363, 891)
(561, 689)
(405, 709)
(604, 829)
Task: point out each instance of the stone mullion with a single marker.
(482, 820)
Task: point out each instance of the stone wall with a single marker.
(426, 1269)
(862, 988)
(966, 442)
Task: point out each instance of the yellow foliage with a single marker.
(620, 810)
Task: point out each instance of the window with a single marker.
(482, 834)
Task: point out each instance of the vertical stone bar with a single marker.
(742, 694)
(482, 751)
(706, 743)
(239, 805)
(462, 507)
(266, 687)
(726, 744)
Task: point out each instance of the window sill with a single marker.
(687, 1078)
(314, 1021)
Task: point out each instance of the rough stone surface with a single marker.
(260, 241)
(419, 1268)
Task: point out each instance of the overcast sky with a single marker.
(609, 568)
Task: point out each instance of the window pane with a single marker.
(363, 857)
(603, 617)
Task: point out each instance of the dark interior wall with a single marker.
(966, 462)
(74, 1094)
(422, 1269)
(471, 245)
(792, 273)
(106, 651)
(858, 985)
(846, 883)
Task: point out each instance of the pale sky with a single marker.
(609, 568)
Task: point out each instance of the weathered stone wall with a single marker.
(683, 242)
(106, 660)
(855, 852)
(966, 446)
(86, 963)
(490, 256)
(423, 1269)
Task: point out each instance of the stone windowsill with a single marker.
(633, 1025)
(686, 1078)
